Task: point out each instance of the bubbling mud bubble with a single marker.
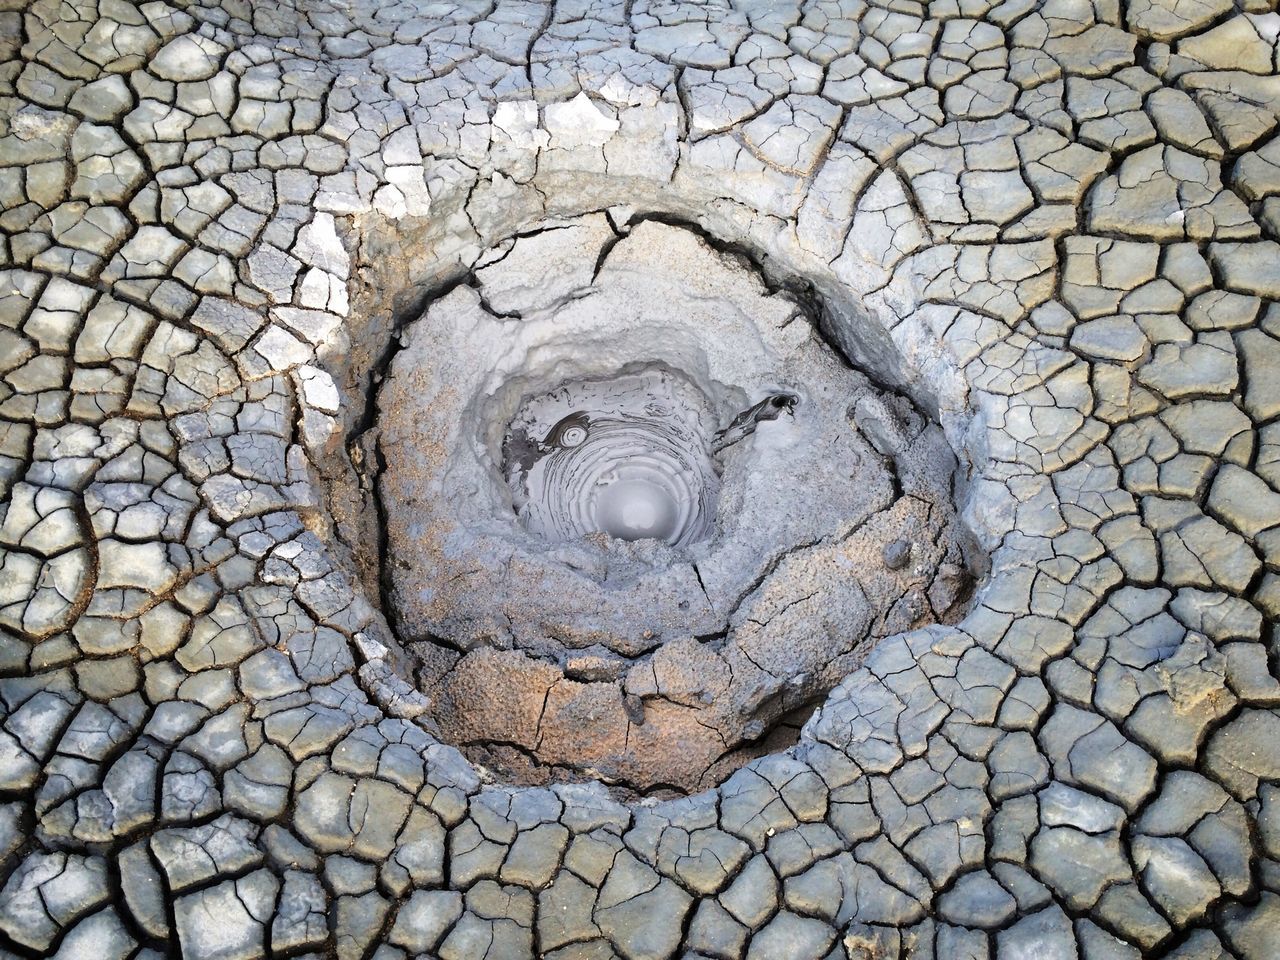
(631, 458)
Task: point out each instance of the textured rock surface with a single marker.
(1059, 221)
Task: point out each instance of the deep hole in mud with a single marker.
(629, 457)
(637, 515)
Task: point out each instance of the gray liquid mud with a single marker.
(629, 457)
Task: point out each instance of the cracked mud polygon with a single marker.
(1015, 691)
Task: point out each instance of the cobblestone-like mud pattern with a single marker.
(1052, 227)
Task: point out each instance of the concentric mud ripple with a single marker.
(629, 457)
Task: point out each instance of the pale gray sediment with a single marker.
(1046, 233)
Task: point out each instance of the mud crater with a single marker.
(638, 516)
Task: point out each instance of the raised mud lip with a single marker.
(656, 664)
